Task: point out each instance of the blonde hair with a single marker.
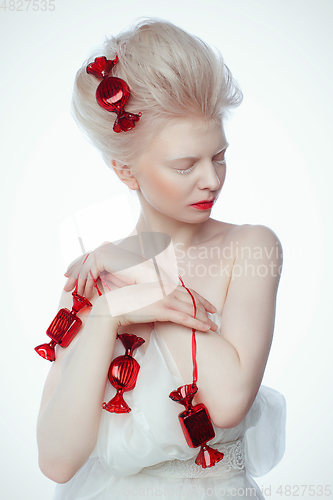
(171, 74)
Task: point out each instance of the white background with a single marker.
(279, 174)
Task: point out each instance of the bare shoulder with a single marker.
(260, 239)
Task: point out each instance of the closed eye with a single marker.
(187, 171)
(220, 158)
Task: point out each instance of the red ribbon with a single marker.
(194, 342)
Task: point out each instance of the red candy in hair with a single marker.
(113, 93)
(101, 67)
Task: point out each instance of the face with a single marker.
(182, 173)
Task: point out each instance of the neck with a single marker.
(180, 232)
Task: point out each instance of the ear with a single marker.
(124, 174)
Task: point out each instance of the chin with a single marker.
(201, 216)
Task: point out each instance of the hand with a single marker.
(148, 302)
(115, 264)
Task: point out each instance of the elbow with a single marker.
(228, 420)
(232, 413)
(59, 473)
(61, 463)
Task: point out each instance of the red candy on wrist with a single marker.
(63, 328)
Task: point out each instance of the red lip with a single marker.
(204, 205)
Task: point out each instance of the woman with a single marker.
(169, 147)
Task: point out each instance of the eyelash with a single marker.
(189, 170)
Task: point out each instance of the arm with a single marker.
(124, 264)
(71, 407)
(231, 366)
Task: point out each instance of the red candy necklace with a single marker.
(123, 373)
(195, 420)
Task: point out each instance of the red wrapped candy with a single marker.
(113, 93)
(123, 373)
(63, 328)
(195, 420)
(196, 425)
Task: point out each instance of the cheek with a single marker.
(164, 187)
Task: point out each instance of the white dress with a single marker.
(144, 454)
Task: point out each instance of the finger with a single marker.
(201, 304)
(74, 271)
(81, 285)
(90, 274)
(187, 308)
(82, 280)
(77, 273)
(186, 320)
(115, 280)
(202, 316)
(70, 284)
(197, 298)
(202, 308)
(206, 304)
(91, 283)
(183, 294)
(89, 289)
(88, 264)
(75, 264)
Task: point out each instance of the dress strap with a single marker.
(233, 461)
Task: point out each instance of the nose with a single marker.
(208, 177)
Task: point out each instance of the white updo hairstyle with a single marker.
(170, 73)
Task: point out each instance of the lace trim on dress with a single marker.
(233, 461)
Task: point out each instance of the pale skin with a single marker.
(232, 270)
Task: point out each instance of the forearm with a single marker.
(227, 384)
(68, 425)
(219, 377)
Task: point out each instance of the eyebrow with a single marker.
(174, 158)
(224, 147)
